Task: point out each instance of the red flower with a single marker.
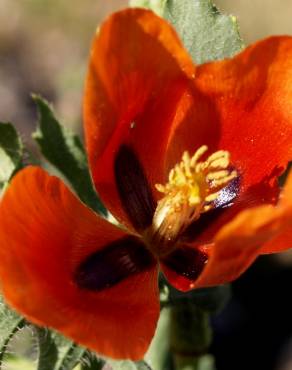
(148, 110)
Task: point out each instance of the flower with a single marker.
(185, 157)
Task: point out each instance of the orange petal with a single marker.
(254, 231)
(137, 74)
(242, 105)
(283, 240)
(45, 235)
(252, 96)
(238, 244)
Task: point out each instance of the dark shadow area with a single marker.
(256, 326)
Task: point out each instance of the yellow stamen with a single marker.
(192, 186)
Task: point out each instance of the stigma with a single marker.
(192, 189)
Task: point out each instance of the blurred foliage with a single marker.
(53, 63)
(10, 323)
(64, 150)
(44, 46)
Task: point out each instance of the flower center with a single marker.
(193, 186)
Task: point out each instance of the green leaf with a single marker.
(158, 355)
(47, 349)
(69, 353)
(19, 364)
(10, 323)
(11, 150)
(207, 362)
(57, 352)
(91, 362)
(65, 151)
(156, 5)
(205, 32)
(211, 300)
(204, 362)
(128, 365)
(190, 330)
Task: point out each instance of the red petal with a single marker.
(138, 71)
(283, 240)
(238, 244)
(251, 112)
(45, 233)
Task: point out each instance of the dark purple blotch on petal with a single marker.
(187, 262)
(224, 200)
(133, 188)
(113, 264)
(228, 194)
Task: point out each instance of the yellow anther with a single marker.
(202, 150)
(219, 163)
(217, 155)
(160, 188)
(217, 175)
(186, 157)
(207, 208)
(186, 164)
(224, 180)
(211, 197)
(193, 186)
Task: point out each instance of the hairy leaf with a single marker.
(91, 362)
(126, 365)
(205, 32)
(65, 151)
(156, 5)
(56, 352)
(11, 150)
(10, 323)
(47, 349)
(69, 353)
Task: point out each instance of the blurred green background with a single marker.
(44, 46)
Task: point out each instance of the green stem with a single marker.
(190, 336)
